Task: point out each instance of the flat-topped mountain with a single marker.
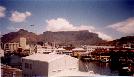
(62, 37)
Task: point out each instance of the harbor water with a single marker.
(100, 68)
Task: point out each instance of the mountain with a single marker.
(71, 37)
(83, 37)
(15, 36)
(121, 41)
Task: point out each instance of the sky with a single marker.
(110, 19)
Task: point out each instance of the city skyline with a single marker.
(110, 19)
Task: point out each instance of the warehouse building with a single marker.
(47, 64)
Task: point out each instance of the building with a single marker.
(50, 49)
(23, 42)
(44, 49)
(78, 51)
(92, 48)
(47, 64)
(122, 55)
(11, 46)
(15, 60)
(14, 46)
(63, 51)
(128, 45)
(8, 71)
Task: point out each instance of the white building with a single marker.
(47, 50)
(23, 42)
(48, 64)
(44, 50)
(11, 46)
(63, 51)
(92, 48)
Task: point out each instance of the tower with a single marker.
(23, 42)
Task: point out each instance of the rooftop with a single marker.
(61, 49)
(44, 57)
(78, 49)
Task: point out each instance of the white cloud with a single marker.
(104, 36)
(19, 16)
(2, 11)
(61, 24)
(126, 26)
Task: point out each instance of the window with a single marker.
(22, 60)
(28, 66)
(25, 75)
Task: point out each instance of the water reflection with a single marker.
(98, 68)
